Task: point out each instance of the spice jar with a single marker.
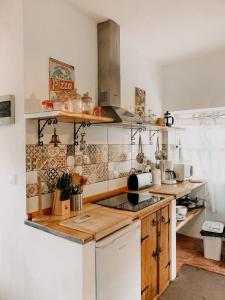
(87, 104)
(75, 103)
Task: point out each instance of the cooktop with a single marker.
(130, 201)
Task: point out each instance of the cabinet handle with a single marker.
(144, 238)
(142, 292)
(154, 254)
(169, 263)
(164, 220)
(154, 223)
(158, 250)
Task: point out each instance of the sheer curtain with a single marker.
(203, 145)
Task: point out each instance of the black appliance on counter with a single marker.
(130, 201)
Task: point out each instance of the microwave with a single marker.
(7, 110)
(183, 171)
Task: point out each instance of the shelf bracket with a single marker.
(49, 122)
(134, 133)
(76, 131)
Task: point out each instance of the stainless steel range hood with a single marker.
(109, 74)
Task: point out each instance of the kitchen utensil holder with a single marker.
(60, 208)
(76, 202)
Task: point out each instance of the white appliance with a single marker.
(118, 265)
(183, 171)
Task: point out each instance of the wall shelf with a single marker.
(67, 117)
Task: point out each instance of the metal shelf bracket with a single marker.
(76, 131)
(49, 122)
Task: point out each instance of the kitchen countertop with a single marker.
(177, 190)
(116, 218)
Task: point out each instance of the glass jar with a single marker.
(75, 103)
(87, 104)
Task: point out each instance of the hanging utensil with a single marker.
(157, 151)
(140, 156)
(82, 142)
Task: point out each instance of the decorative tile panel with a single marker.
(119, 152)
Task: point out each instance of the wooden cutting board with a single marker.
(100, 224)
(177, 190)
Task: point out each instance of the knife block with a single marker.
(60, 208)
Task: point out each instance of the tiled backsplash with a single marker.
(106, 163)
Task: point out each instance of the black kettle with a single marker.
(169, 119)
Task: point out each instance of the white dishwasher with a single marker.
(118, 265)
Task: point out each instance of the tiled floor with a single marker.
(190, 251)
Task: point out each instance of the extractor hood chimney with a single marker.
(109, 73)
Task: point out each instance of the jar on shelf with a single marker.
(87, 104)
(75, 103)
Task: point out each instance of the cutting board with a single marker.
(100, 224)
(176, 190)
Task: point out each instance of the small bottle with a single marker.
(87, 104)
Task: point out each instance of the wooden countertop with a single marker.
(115, 219)
(177, 190)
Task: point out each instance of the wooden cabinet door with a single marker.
(164, 248)
(149, 257)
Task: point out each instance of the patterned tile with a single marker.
(31, 163)
(52, 162)
(96, 172)
(62, 150)
(70, 150)
(52, 175)
(53, 151)
(119, 169)
(61, 161)
(32, 190)
(42, 163)
(102, 172)
(41, 151)
(119, 152)
(78, 160)
(31, 150)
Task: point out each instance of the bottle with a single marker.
(156, 176)
(87, 104)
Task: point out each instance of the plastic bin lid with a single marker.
(211, 226)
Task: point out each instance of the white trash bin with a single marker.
(212, 233)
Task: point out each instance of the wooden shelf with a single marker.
(67, 117)
(189, 216)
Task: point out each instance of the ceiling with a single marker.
(163, 29)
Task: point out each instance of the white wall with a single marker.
(55, 28)
(12, 153)
(195, 82)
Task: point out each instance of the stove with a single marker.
(130, 201)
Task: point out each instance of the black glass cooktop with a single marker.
(130, 201)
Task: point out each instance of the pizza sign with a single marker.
(61, 78)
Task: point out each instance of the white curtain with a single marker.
(203, 145)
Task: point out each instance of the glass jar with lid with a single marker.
(75, 103)
(87, 104)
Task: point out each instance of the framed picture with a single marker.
(61, 79)
(140, 96)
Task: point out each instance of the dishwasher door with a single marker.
(118, 265)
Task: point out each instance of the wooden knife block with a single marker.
(60, 208)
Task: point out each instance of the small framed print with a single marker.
(140, 98)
